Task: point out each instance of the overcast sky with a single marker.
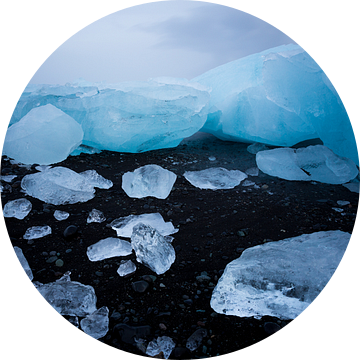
(173, 38)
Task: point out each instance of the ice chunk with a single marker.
(353, 186)
(124, 225)
(247, 183)
(95, 216)
(162, 344)
(313, 163)
(126, 267)
(215, 178)
(127, 117)
(96, 324)
(194, 341)
(96, 180)
(256, 147)
(37, 232)
(152, 249)
(69, 297)
(59, 186)
(18, 208)
(108, 248)
(8, 178)
(24, 263)
(148, 180)
(45, 135)
(279, 278)
(61, 215)
(278, 97)
(254, 171)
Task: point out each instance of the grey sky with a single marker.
(173, 38)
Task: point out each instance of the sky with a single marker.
(175, 38)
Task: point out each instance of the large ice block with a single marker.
(313, 163)
(277, 97)
(108, 248)
(279, 278)
(45, 135)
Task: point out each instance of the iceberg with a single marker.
(277, 97)
(45, 135)
(162, 344)
(24, 263)
(18, 208)
(313, 163)
(126, 117)
(279, 278)
(37, 232)
(69, 297)
(148, 180)
(96, 324)
(59, 186)
(152, 249)
(215, 178)
(108, 248)
(124, 225)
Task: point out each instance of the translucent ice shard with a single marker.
(124, 225)
(95, 216)
(96, 324)
(96, 180)
(279, 278)
(126, 267)
(152, 249)
(162, 344)
(148, 180)
(108, 248)
(215, 178)
(194, 341)
(18, 208)
(24, 263)
(37, 232)
(61, 215)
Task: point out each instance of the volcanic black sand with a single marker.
(214, 228)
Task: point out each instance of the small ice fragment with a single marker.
(18, 208)
(256, 147)
(343, 202)
(95, 216)
(212, 158)
(194, 341)
(126, 267)
(8, 178)
(36, 232)
(96, 180)
(108, 248)
(96, 324)
(61, 215)
(338, 209)
(254, 171)
(162, 344)
(74, 320)
(352, 186)
(247, 183)
(23, 262)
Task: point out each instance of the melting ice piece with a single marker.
(148, 180)
(24, 263)
(61, 215)
(108, 248)
(254, 171)
(8, 178)
(215, 178)
(256, 147)
(45, 135)
(194, 341)
(313, 163)
(152, 249)
(69, 297)
(162, 344)
(124, 225)
(126, 267)
(59, 186)
(18, 208)
(279, 278)
(96, 324)
(36, 232)
(353, 186)
(248, 183)
(95, 216)
(96, 180)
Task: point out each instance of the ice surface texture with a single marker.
(215, 178)
(277, 97)
(108, 248)
(148, 180)
(60, 185)
(279, 278)
(18, 208)
(24, 263)
(45, 135)
(96, 324)
(313, 163)
(152, 249)
(126, 117)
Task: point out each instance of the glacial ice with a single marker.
(18, 208)
(60, 185)
(277, 97)
(124, 225)
(162, 344)
(313, 163)
(37, 232)
(24, 263)
(215, 178)
(96, 324)
(279, 278)
(152, 249)
(126, 267)
(108, 248)
(45, 135)
(69, 297)
(61, 215)
(126, 117)
(95, 216)
(148, 180)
